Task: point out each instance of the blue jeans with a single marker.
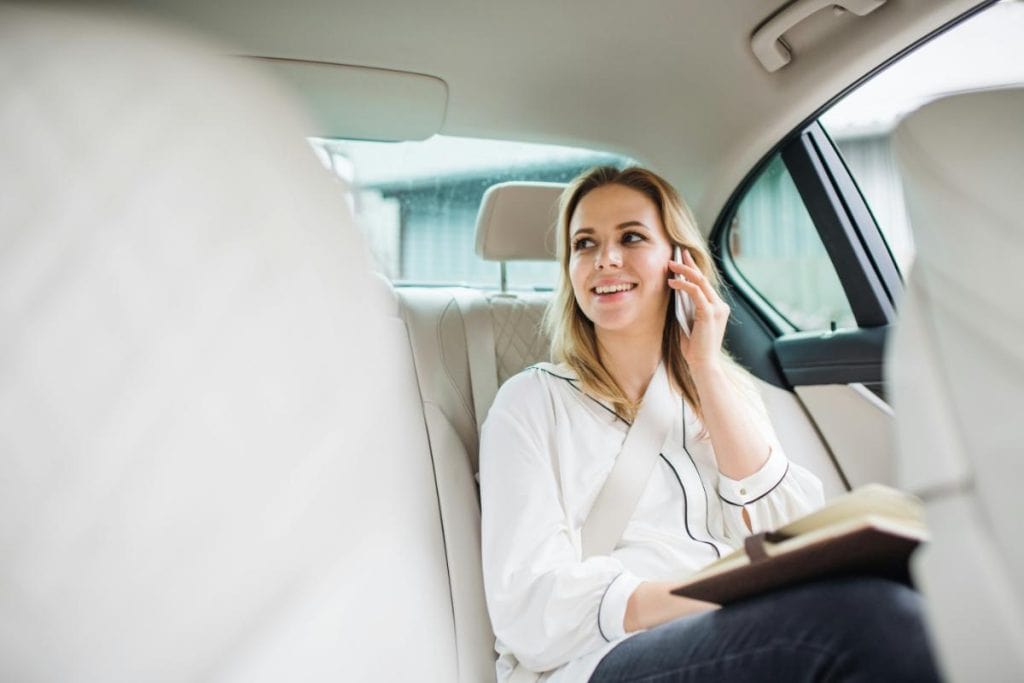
(856, 629)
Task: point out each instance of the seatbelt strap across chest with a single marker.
(621, 492)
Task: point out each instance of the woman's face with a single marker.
(619, 252)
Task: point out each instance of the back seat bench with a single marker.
(448, 359)
(465, 344)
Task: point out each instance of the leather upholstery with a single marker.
(516, 221)
(206, 474)
(442, 351)
(518, 339)
(957, 372)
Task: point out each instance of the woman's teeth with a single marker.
(611, 289)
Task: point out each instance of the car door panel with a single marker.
(836, 375)
(829, 357)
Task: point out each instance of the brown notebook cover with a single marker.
(869, 531)
(865, 550)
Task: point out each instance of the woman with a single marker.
(554, 432)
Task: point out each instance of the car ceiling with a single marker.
(672, 83)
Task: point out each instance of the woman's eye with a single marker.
(631, 237)
(582, 243)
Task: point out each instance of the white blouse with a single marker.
(546, 449)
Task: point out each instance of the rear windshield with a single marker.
(417, 202)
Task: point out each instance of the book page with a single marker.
(874, 499)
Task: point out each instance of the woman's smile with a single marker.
(612, 291)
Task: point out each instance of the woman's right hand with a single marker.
(653, 604)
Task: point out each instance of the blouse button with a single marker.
(743, 492)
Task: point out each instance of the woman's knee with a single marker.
(877, 624)
(864, 602)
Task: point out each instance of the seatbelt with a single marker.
(483, 368)
(621, 492)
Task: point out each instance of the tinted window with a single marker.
(776, 248)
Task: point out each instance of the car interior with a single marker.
(245, 377)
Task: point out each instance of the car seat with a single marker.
(956, 369)
(214, 459)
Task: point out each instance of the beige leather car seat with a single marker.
(214, 464)
(466, 344)
(462, 334)
(956, 368)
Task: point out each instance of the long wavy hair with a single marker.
(572, 334)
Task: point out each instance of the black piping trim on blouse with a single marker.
(707, 504)
(600, 605)
(572, 382)
(739, 505)
(686, 516)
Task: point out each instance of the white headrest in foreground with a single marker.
(189, 363)
(962, 159)
(517, 222)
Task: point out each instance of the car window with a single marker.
(775, 247)
(984, 51)
(417, 202)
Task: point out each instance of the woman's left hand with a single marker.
(703, 347)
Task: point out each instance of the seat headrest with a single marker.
(961, 153)
(961, 160)
(517, 222)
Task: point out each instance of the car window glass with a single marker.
(417, 202)
(984, 51)
(775, 247)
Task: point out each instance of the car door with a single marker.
(815, 271)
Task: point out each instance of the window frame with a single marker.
(847, 228)
(855, 245)
(864, 264)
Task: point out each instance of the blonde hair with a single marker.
(573, 339)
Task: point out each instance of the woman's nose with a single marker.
(609, 255)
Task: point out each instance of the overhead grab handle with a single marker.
(767, 43)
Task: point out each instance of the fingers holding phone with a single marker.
(700, 311)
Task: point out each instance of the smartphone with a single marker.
(684, 304)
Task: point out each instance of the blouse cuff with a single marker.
(611, 613)
(756, 486)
